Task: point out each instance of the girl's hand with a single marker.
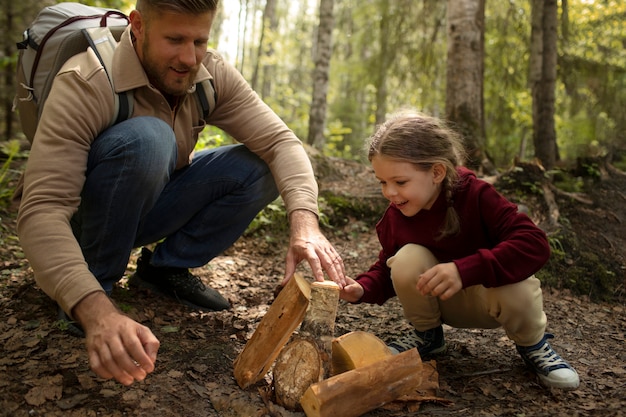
(352, 291)
(442, 280)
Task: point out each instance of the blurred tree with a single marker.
(542, 79)
(465, 70)
(322, 54)
(266, 51)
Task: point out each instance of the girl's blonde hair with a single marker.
(423, 141)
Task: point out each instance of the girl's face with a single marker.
(405, 186)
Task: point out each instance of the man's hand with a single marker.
(442, 280)
(308, 242)
(118, 347)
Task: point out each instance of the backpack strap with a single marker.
(103, 44)
(206, 97)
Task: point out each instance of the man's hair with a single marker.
(177, 6)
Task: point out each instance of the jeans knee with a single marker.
(143, 148)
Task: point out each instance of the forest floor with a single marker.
(44, 370)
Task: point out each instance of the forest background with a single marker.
(537, 87)
(535, 81)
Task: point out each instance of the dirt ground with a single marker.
(44, 370)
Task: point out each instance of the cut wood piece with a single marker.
(298, 366)
(319, 321)
(360, 390)
(355, 350)
(276, 327)
(307, 357)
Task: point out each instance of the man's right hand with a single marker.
(118, 347)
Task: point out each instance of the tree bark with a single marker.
(543, 61)
(263, 68)
(464, 75)
(323, 52)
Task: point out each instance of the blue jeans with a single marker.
(133, 196)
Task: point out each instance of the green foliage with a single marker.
(212, 137)
(7, 175)
(335, 144)
(271, 220)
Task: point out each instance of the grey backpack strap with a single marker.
(103, 44)
(206, 97)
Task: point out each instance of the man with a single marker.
(93, 192)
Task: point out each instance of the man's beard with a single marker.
(157, 74)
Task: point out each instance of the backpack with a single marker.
(62, 31)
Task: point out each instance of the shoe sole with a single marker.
(439, 351)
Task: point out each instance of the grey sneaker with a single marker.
(177, 283)
(428, 343)
(552, 370)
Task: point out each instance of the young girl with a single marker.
(454, 250)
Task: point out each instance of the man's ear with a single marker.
(439, 172)
(136, 23)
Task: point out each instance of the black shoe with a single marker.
(67, 324)
(428, 343)
(177, 283)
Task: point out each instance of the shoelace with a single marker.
(409, 342)
(546, 358)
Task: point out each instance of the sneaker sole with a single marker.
(439, 351)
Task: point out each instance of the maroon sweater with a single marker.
(496, 245)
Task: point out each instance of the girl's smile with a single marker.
(408, 188)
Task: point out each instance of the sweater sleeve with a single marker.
(242, 114)
(79, 106)
(516, 247)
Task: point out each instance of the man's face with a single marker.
(171, 47)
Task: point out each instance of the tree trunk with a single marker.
(263, 68)
(464, 75)
(317, 113)
(543, 60)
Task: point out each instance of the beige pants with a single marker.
(518, 308)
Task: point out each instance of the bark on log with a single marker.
(307, 357)
(276, 327)
(360, 390)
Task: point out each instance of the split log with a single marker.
(360, 390)
(298, 366)
(355, 350)
(307, 357)
(276, 327)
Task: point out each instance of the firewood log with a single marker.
(356, 349)
(307, 357)
(276, 327)
(353, 393)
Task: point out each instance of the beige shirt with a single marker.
(80, 106)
